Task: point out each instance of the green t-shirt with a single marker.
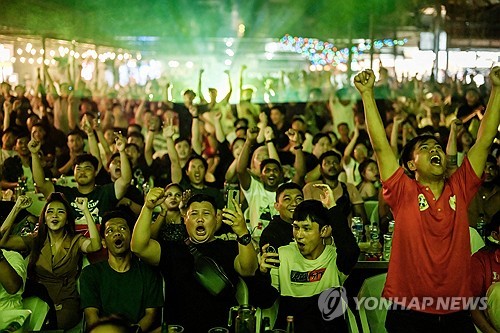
(128, 294)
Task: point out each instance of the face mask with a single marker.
(493, 240)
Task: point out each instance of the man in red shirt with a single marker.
(428, 279)
(486, 279)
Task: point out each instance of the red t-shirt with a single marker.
(430, 257)
(485, 270)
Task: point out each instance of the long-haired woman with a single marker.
(56, 254)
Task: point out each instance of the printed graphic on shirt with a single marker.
(312, 276)
(81, 222)
(422, 202)
(453, 202)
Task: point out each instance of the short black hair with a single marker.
(244, 120)
(133, 145)
(115, 155)
(363, 165)
(75, 132)
(188, 91)
(201, 197)
(180, 139)
(197, 157)
(313, 209)
(409, 148)
(320, 136)
(491, 159)
(236, 140)
(87, 158)
(23, 133)
(280, 108)
(136, 135)
(116, 214)
(269, 161)
(287, 186)
(490, 227)
(329, 153)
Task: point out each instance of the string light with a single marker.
(324, 53)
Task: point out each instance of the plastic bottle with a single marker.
(375, 247)
(357, 228)
(290, 327)
(481, 223)
(387, 247)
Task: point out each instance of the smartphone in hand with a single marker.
(232, 194)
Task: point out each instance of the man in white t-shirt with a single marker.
(303, 270)
(261, 193)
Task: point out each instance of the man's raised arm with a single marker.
(488, 127)
(141, 243)
(122, 183)
(45, 186)
(387, 162)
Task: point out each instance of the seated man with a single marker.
(485, 268)
(346, 194)
(308, 267)
(188, 303)
(123, 284)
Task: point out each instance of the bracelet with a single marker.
(162, 215)
(195, 117)
(297, 147)
(269, 141)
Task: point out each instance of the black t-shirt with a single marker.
(187, 303)
(277, 233)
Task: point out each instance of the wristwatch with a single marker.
(245, 239)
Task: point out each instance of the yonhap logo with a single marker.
(332, 303)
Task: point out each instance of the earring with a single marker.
(323, 241)
(333, 243)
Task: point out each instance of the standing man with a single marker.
(430, 258)
(346, 195)
(261, 193)
(123, 284)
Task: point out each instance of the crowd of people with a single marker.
(138, 188)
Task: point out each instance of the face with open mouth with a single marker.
(116, 236)
(308, 238)
(196, 171)
(55, 216)
(115, 168)
(429, 158)
(201, 221)
(271, 175)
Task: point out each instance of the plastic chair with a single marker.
(39, 310)
(373, 320)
